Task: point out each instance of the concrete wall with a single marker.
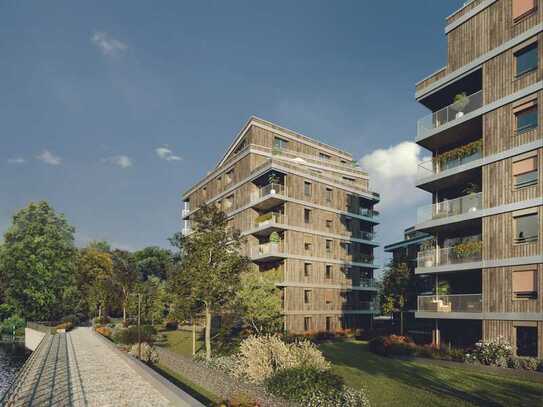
(33, 338)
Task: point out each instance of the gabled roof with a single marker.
(256, 121)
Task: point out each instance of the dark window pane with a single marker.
(527, 227)
(526, 59)
(527, 119)
(527, 341)
(523, 180)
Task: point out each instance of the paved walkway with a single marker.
(81, 368)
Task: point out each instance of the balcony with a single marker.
(449, 114)
(268, 196)
(371, 306)
(364, 235)
(450, 303)
(437, 165)
(186, 231)
(368, 213)
(268, 252)
(461, 253)
(185, 213)
(268, 223)
(453, 207)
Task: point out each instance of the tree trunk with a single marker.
(193, 338)
(100, 311)
(208, 333)
(124, 313)
(401, 322)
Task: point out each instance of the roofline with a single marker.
(408, 242)
(255, 120)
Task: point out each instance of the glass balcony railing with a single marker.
(466, 252)
(270, 218)
(267, 248)
(452, 207)
(185, 212)
(450, 303)
(365, 235)
(450, 113)
(368, 213)
(435, 166)
(270, 189)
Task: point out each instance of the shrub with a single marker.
(101, 320)
(300, 383)
(260, 357)
(240, 400)
(171, 325)
(513, 363)
(540, 366)
(347, 397)
(67, 326)
(226, 364)
(493, 353)
(529, 363)
(104, 331)
(129, 336)
(392, 345)
(12, 323)
(401, 349)
(73, 319)
(148, 352)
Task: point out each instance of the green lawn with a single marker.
(404, 383)
(181, 342)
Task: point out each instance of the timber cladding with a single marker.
(493, 329)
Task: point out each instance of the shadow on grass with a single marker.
(184, 386)
(478, 388)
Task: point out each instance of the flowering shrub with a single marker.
(347, 397)
(226, 364)
(129, 336)
(104, 331)
(493, 353)
(261, 357)
(392, 345)
(148, 352)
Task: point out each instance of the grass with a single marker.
(181, 342)
(391, 382)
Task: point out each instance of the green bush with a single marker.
(346, 397)
(529, 364)
(401, 349)
(129, 336)
(171, 325)
(493, 353)
(379, 345)
(299, 384)
(67, 326)
(104, 320)
(73, 319)
(11, 323)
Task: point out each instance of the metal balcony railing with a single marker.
(271, 218)
(435, 166)
(450, 303)
(452, 207)
(468, 252)
(449, 114)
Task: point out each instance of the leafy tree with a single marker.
(211, 265)
(124, 276)
(261, 304)
(37, 263)
(95, 279)
(100, 246)
(153, 261)
(397, 286)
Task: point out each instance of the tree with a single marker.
(153, 261)
(396, 288)
(261, 304)
(37, 263)
(95, 279)
(211, 265)
(124, 276)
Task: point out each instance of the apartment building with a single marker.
(306, 213)
(484, 133)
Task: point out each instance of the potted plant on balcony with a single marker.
(459, 104)
(425, 247)
(467, 249)
(275, 239)
(264, 219)
(273, 180)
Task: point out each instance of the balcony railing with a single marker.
(270, 189)
(450, 303)
(185, 212)
(452, 207)
(368, 213)
(186, 231)
(434, 166)
(271, 218)
(365, 235)
(368, 282)
(267, 248)
(468, 252)
(449, 114)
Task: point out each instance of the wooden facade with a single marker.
(488, 41)
(323, 213)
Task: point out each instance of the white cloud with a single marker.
(107, 44)
(392, 173)
(16, 160)
(122, 161)
(49, 158)
(166, 154)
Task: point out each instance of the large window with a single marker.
(307, 188)
(307, 215)
(524, 283)
(307, 296)
(328, 272)
(525, 171)
(526, 226)
(307, 324)
(328, 246)
(279, 143)
(526, 341)
(526, 116)
(328, 324)
(307, 269)
(523, 8)
(329, 192)
(526, 59)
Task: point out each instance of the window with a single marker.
(328, 324)
(328, 296)
(229, 176)
(307, 324)
(328, 272)
(526, 226)
(279, 143)
(307, 296)
(328, 246)
(204, 191)
(307, 246)
(526, 116)
(526, 341)
(348, 248)
(307, 188)
(525, 171)
(307, 269)
(526, 59)
(329, 224)
(324, 156)
(329, 192)
(522, 8)
(349, 224)
(524, 284)
(307, 215)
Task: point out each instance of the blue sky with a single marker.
(91, 90)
